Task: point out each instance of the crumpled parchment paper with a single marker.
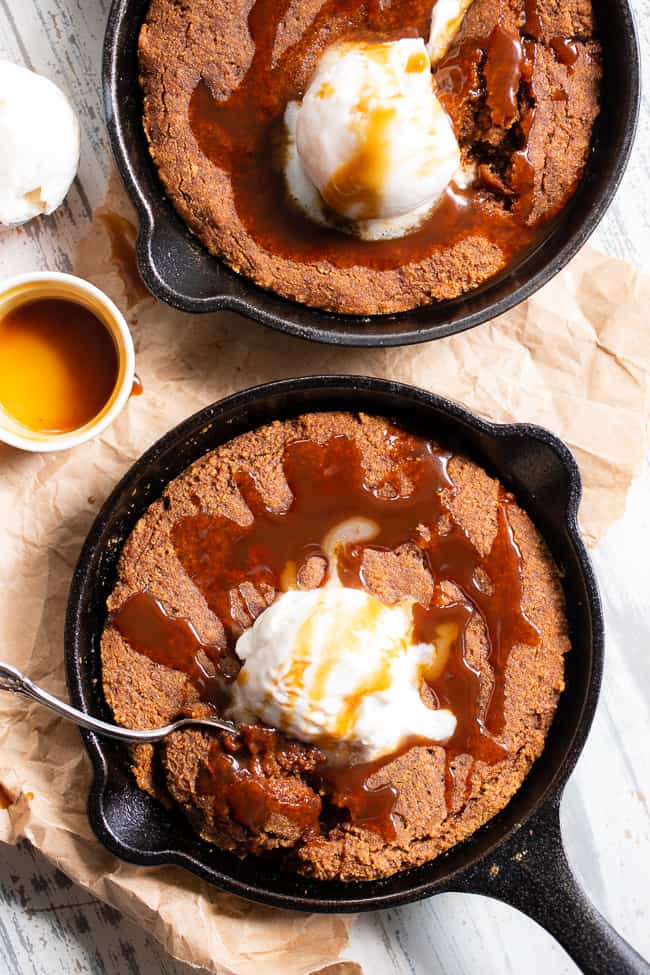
(574, 358)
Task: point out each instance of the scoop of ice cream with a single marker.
(39, 144)
(370, 133)
(336, 667)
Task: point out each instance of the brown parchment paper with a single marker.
(574, 358)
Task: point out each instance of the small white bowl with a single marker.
(25, 288)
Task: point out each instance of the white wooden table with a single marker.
(49, 926)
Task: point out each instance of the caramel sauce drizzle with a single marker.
(523, 170)
(566, 51)
(371, 807)
(151, 630)
(417, 63)
(503, 69)
(359, 182)
(122, 236)
(532, 20)
(233, 775)
(240, 134)
(345, 640)
(6, 798)
(565, 48)
(411, 505)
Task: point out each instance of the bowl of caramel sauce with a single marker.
(66, 361)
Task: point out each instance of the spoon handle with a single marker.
(11, 679)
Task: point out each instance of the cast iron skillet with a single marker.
(518, 856)
(178, 270)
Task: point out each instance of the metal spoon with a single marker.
(11, 679)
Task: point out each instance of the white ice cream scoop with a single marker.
(370, 140)
(337, 667)
(39, 145)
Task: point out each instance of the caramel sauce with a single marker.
(532, 20)
(506, 62)
(234, 776)
(345, 640)
(522, 170)
(149, 629)
(122, 235)
(502, 69)
(371, 807)
(417, 63)
(58, 365)
(566, 51)
(457, 76)
(357, 186)
(239, 134)
(6, 798)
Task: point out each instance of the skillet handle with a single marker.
(531, 872)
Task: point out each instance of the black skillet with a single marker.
(518, 856)
(178, 270)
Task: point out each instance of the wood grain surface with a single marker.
(49, 926)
